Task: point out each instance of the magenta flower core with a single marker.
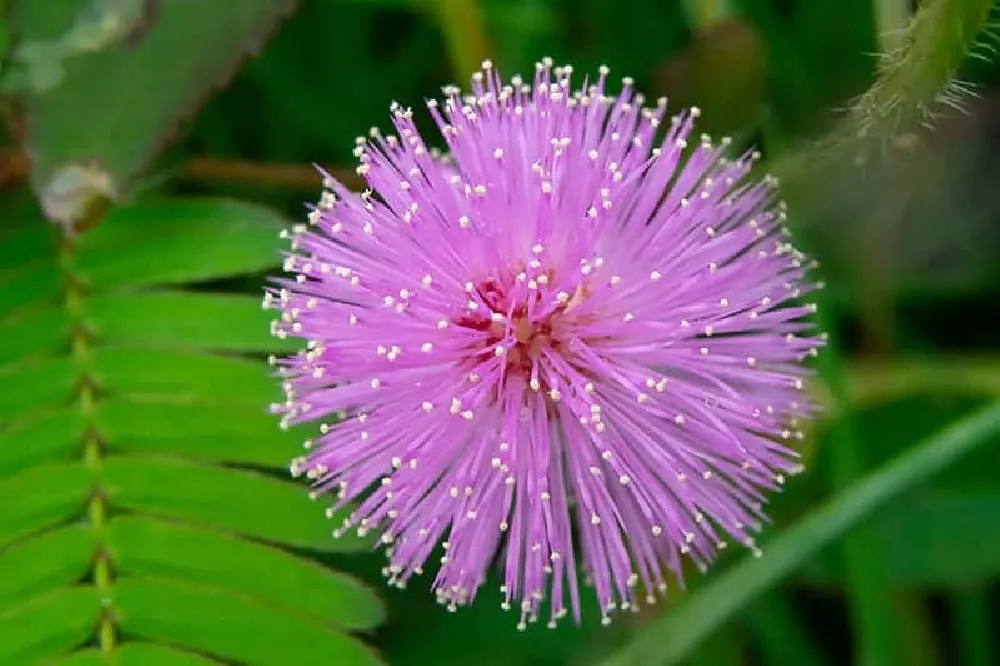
(571, 343)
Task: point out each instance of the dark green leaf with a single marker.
(28, 239)
(42, 497)
(147, 547)
(233, 500)
(46, 562)
(135, 653)
(201, 378)
(173, 241)
(219, 434)
(952, 539)
(229, 626)
(182, 320)
(48, 626)
(490, 633)
(109, 108)
(54, 436)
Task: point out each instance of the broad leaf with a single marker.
(148, 547)
(49, 625)
(201, 432)
(29, 270)
(229, 626)
(233, 500)
(52, 560)
(33, 334)
(44, 496)
(195, 240)
(204, 379)
(108, 107)
(35, 386)
(35, 285)
(136, 653)
(53, 436)
(178, 320)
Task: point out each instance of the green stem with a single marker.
(974, 622)
(669, 638)
(871, 611)
(464, 34)
(81, 353)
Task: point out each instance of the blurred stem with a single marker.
(464, 35)
(780, 634)
(871, 612)
(672, 636)
(14, 166)
(915, 629)
(891, 19)
(974, 628)
(702, 14)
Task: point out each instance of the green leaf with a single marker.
(881, 382)
(48, 626)
(52, 560)
(186, 320)
(26, 238)
(201, 432)
(108, 108)
(196, 239)
(201, 378)
(35, 386)
(138, 654)
(33, 334)
(952, 540)
(229, 626)
(35, 285)
(668, 639)
(42, 497)
(894, 406)
(279, 511)
(146, 547)
(46, 438)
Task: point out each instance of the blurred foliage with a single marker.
(148, 516)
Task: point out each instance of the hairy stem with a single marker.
(917, 79)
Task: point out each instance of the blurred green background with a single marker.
(148, 517)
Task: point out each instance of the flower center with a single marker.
(517, 326)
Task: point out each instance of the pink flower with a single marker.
(564, 342)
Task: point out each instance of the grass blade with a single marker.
(668, 639)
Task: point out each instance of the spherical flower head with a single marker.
(565, 344)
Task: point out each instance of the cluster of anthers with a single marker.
(572, 342)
